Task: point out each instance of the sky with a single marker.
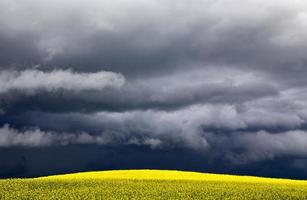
(200, 85)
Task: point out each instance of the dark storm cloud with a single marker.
(162, 93)
(18, 51)
(32, 162)
(191, 126)
(263, 35)
(224, 79)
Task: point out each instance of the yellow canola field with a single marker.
(151, 184)
(168, 175)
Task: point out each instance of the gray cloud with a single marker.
(259, 146)
(169, 35)
(270, 145)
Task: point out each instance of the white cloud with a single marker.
(33, 79)
(36, 137)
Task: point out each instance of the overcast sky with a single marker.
(214, 86)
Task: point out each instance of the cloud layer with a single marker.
(223, 79)
(32, 80)
(36, 138)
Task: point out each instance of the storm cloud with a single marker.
(223, 81)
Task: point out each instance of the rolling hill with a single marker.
(151, 184)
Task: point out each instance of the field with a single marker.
(151, 184)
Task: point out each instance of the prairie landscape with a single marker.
(151, 184)
(90, 89)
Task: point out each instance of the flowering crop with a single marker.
(151, 184)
